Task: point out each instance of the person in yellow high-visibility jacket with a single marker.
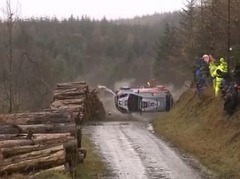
(212, 69)
(223, 67)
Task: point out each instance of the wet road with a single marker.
(133, 152)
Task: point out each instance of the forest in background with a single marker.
(36, 53)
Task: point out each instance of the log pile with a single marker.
(49, 140)
(77, 96)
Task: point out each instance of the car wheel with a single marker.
(168, 103)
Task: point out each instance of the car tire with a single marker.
(168, 103)
(116, 101)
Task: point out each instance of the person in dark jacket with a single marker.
(236, 74)
(200, 74)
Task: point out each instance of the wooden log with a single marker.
(17, 150)
(36, 118)
(12, 143)
(13, 151)
(32, 155)
(70, 84)
(12, 136)
(59, 103)
(39, 128)
(64, 97)
(68, 90)
(69, 108)
(36, 164)
(41, 140)
(9, 129)
(51, 117)
(68, 95)
(36, 161)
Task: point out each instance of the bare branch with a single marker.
(41, 79)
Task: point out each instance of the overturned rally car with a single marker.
(156, 99)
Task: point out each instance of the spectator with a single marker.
(221, 70)
(212, 69)
(200, 73)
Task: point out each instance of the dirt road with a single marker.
(133, 152)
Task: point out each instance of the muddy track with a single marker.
(132, 151)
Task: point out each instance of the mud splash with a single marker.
(106, 89)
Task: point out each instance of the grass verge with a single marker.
(93, 164)
(200, 127)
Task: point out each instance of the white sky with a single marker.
(111, 9)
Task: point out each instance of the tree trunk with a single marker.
(58, 103)
(74, 90)
(36, 118)
(36, 164)
(39, 128)
(17, 150)
(71, 85)
(69, 95)
(69, 108)
(32, 155)
(13, 151)
(45, 140)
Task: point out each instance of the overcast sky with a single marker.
(111, 9)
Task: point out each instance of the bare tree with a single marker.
(10, 16)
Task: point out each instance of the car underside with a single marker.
(155, 99)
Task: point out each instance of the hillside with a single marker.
(201, 128)
(152, 19)
(46, 51)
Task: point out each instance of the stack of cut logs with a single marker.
(74, 97)
(49, 140)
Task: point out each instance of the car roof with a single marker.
(151, 90)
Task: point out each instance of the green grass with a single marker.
(200, 127)
(52, 175)
(93, 165)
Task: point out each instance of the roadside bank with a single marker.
(201, 128)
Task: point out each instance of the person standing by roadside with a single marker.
(200, 73)
(220, 71)
(212, 69)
